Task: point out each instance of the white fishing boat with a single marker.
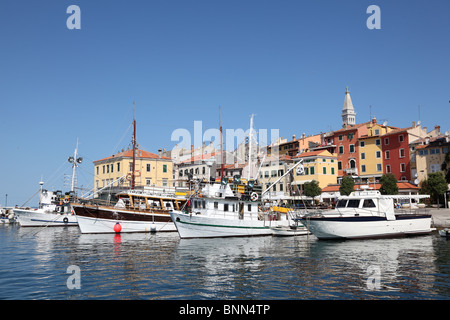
(134, 211)
(368, 214)
(54, 211)
(54, 207)
(217, 212)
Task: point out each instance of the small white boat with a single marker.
(289, 231)
(444, 233)
(7, 216)
(368, 214)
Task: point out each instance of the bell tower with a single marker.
(348, 112)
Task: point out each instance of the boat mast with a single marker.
(75, 160)
(221, 147)
(250, 138)
(133, 181)
(74, 166)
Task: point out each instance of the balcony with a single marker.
(351, 171)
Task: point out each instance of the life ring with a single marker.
(129, 177)
(254, 196)
(65, 220)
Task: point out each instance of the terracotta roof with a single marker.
(398, 130)
(352, 127)
(201, 157)
(139, 154)
(313, 153)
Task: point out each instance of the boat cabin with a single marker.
(144, 202)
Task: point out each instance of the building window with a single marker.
(363, 168)
(148, 181)
(387, 154)
(350, 136)
(97, 170)
(266, 174)
(103, 168)
(378, 154)
(249, 208)
(203, 170)
(379, 167)
(402, 153)
(306, 171)
(341, 149)
(362, 144)
(435, 167)
(273, 173)
(324, 170)
(131, 166)
(107, 168)
(377, 142)
(352, 148)
(281, 187)
(164, 167)
(386, 141)
(148, 167)
(377, 132)
(402, 167)
(332, 170)
(401, 138)
(340, 137)
(363, 155)
(339, 165)
(388, 168)
(311, 170)
(216, 205)
(225, 207)
(118, 166)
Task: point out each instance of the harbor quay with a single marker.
(441, 217)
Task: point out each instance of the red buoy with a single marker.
(117, 227)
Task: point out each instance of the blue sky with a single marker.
(288, 62)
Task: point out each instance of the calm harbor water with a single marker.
(36, 264)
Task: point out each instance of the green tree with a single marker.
(388, 184)
(347, 185)
(312, 189)
(435, 185)
(446, 167)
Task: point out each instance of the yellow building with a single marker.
(370, 151)
(320, 165)
(150, 170)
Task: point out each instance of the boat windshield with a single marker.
(341, 204)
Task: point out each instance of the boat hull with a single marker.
(92, 219)
(36, 218)
(368, 227)
(202, 226)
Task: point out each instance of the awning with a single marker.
(300, 182)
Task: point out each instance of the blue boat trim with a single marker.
(365, 218)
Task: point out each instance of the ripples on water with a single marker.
(162, 266)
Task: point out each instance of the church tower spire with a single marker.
(348, 112)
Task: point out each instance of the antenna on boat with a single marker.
(133, 181)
